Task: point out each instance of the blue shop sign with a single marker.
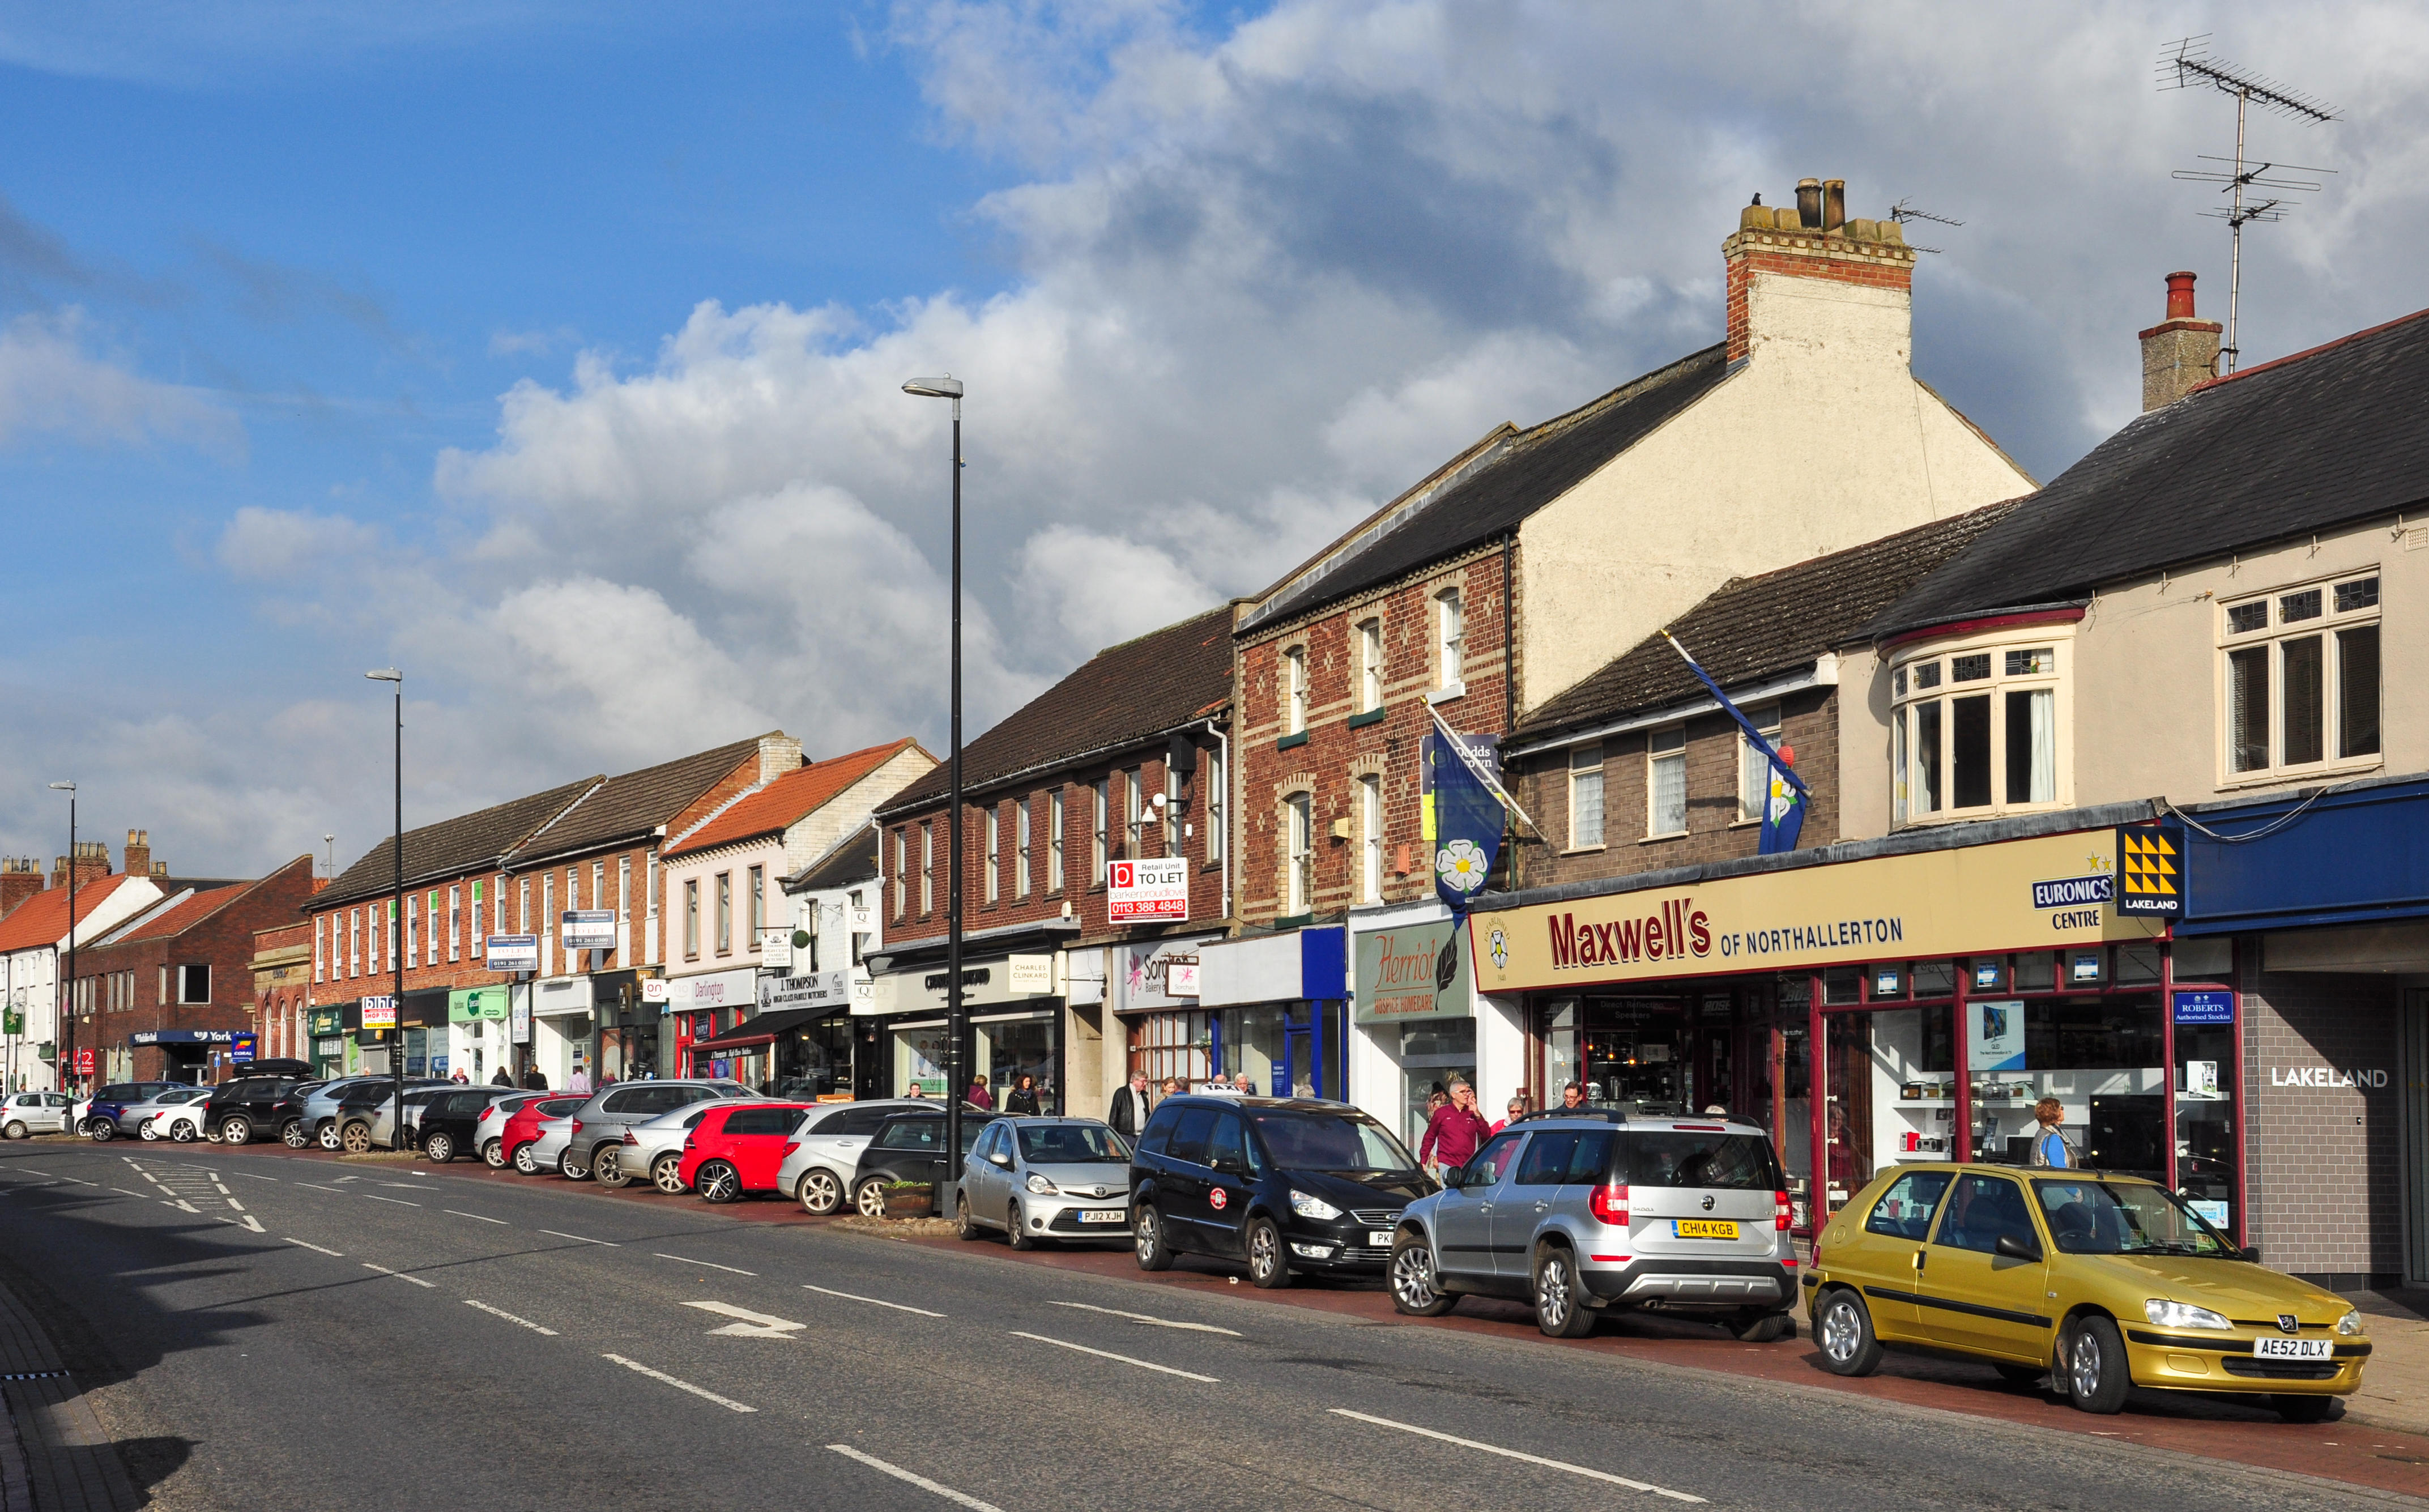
(2205, 1006)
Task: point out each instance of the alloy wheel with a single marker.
(439, 1148)
(524, 1164)
(294, 1136)
(869, 1202)
(719, 1182)
(181, 1132)
(1013, 1229)
(1840, 1334)
(148, 1131)
(1413, 1278)
(821, 1193)
(1266, 1267)
(493, 1155)
(14, 1130)
(104, 1130)
(237, 1131)
(329, 1136)
(2084, 1366)
(1552, 1298)
(357, 1139)
(667, 1174)
(607, 1165)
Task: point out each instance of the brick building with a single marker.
(43, 1048)
(282, 988)
(1059, 798)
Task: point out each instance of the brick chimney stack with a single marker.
(2180, 350)
(1848, 262)
(139, 852)
(91, 865)
(20, 877)
(779, 753)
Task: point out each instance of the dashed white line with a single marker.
(1109, 1355)
(78, 1180)
(257, 1178)
(501, 1222)
(957, 1498)
(1512, 1454)
(501, 1312)
(31, 1172)
(316, 1187)
(398, 1201)
(874, 1302)
(710, 1264)
(1143, 1317)
(123, 1193)
(400, 1275)
(679, 1385)
(576, 1238)
(335, 1255)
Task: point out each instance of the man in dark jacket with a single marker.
(534, 1081)
(1128, 1113)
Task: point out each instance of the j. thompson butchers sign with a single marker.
(1936, 903)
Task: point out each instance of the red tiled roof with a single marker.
(796, 793)
(184, 916)
(43, 919)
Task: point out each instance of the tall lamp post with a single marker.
(950, 386)
(396, 942)
(59, 989)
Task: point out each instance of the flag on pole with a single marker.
(1785, 795)
(1463, 804)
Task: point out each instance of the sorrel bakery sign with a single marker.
(1954, 901)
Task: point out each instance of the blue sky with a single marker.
(552, 351)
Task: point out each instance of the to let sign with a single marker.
(379, 1013)
(514, 952)
(1147, 891)
(587, 929)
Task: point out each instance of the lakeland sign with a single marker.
(2008, 895)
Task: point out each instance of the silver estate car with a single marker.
(1592, 1210)
(136, 1118)
(320, 1108)
(1037, 1178)
(595, 1144)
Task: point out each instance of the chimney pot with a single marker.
(1834, 204)
(2180, 297)
(1809, 204)
(2179, 353)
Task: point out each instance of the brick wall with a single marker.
(1837, 258)
(2324, 1164)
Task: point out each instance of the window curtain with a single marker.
(2044, 715)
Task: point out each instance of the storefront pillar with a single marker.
(1817, 1209)
(2167, 1054)
(1960, 1031)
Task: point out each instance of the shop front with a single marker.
(1913, 1001)
(1015, 1014)
(806, 1022)
(1167, 1030)
(195, 1055)
(325, 1042)
(424, 1028)
(476, 1024)
(703, 1007)
(1272, 1007)
(560, 1028)
(626, 1029)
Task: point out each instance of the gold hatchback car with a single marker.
(2101, 1282)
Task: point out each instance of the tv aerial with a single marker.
(1902, 212)
(2186, 64)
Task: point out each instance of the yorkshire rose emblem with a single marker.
(1460, 866)
(1499, 944)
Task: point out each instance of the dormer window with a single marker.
(1975, 731)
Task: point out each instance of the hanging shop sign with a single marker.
(1139, 892)
(520, 1016)
(1158, 973)
(2151, 869)
(1954, 901)
(588, 928)
(1029, 975)
(514, 952)
(653, 989)
(466, 1004)
(776, 948)
(1413, 972)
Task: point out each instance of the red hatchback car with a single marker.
(737, 1148)
(523, 1127)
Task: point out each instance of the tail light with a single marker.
(1779, 1211)
(1610, 1204)
(791, 1145)
(577, 1127)
(691, 1141)
(630, 1137)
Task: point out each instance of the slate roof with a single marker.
(1537, 466)
(1777, 622)
(853, 858)
(43, 919)
(467, 843)
(181, 915)
(796, 794)
(2308, 443)
(634, 805)
(1121, 695)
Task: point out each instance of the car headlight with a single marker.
(2349, 1324)
(1042, 1187)
(1306, 1206)
(2182, 1315)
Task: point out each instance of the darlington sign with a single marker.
(2005, 896)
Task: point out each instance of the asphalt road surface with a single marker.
(272, 1333)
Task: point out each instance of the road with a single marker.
(267, 1333)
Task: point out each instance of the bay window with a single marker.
(1973, 733)
(2302, 679)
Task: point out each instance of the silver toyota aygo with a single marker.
(1046, 1179)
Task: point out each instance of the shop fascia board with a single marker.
(1822, 673)
(893, 958)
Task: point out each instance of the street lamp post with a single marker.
(396, 942)
(950, 386)
(59, 989)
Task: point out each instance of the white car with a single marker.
(179, 1123)
(26, 1114)
(828, 1146)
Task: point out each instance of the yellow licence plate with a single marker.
(1704, 1228)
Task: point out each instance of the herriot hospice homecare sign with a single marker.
(2010, 895)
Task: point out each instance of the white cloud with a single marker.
(51, 385)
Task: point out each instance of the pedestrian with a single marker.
(1246, 1086)
(1455, 1132)
(1022, 1100)
(502, 1079)
(460, 1079)
(1517, 1111)
(533, 1080)
(979, 1097)
(606, 1080)
(1128, 1115)
(916, 1090)
(578, 1082)
(2050, 1146)
(1844, 1177)
(1172, 1087)
(1573, 1095)
(1303, 1087)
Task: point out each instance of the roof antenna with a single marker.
(1902, 212)
(2186, 64)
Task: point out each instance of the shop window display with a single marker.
(1432, 1054)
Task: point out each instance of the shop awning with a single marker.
(764, 1029)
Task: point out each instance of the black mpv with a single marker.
(1282, 1184)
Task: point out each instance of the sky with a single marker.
(553, 352)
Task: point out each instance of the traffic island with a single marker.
(898, 1228)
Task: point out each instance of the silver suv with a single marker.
(595, 1139)
(1583, 1213)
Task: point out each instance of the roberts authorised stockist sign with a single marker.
(1147, 891)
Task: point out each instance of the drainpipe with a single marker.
(1509, 640)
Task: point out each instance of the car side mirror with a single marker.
(2250, 1252)
(1455, 1177)
(2015, 1246)
(1001, 1159)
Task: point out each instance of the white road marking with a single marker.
(335, 1255)
(123, 1193)
(957, 1498)
(711, 1264)
(1512, 1453)
(78, 1180)
(257, 1178)
(679, 1385)
(1109, 1355)
(1143, 1317)
(501, 1222)
(254, 1224)
(177, 1202)
(753, 1324)
(578, 1238)
(350, 1178)
(316, 1187)
(400, 1275)
(398, 1201)
(874, 1301)
(500, 1312)
(31, 1172)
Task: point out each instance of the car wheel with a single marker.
(15, 1130)
(870, 1201)
(1269, 1264)
(355, 1139)
(439, 1149)
(1416, 1290)
(1560, 1311)
(607, 1167)
(524, 1164)
(1762, 1327)
(493, 1155)
(667, 1174)
(294, 1136)
(102, 1130)
(328, 1136)
(182, 1132)
(1013, 1228)
(1147, 1240)
(2303, 1409)
(719, 1182)
(965, 1223)
(1844, 1330)
(572, 1168)
(236, 1130)
(820, 1191)
(2096, 1378)
(147, 1131)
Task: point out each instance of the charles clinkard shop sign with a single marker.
(2013, 895)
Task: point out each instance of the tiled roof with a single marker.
(182, 915)
(467, 843)
(1753, 627)
(2309, 443)
(796, 794)
(634, 803)
(1539, 465)
(43, 919)
(1121, 695)
(850, 859)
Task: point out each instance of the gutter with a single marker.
(1823, 673)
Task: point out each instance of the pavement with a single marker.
(271, 1329)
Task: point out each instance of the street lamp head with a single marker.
(947, 386)
(385, 675)
(63, 787)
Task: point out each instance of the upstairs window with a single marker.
(1300, 889)
(1974, 732)
(1209, 780)
(1585, 797)
(2302, 679)
(1451, 641)
(692, 917)
(994, 856)
(1054, 842)
(1754, 772)
(1134, 813)
(1370, 838)
(1665, 782)
(1020, 847)
(1370, 665)
(1294, 690)
(1101, 796)
(928, 869)
(901, 869)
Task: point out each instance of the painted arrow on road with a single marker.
(753, 1324)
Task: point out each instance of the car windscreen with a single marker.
(1308, 1142)
(182, 1095)
(119, 1092)
(1705, 1162)
(1072, 1144)
(2124, 1218)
